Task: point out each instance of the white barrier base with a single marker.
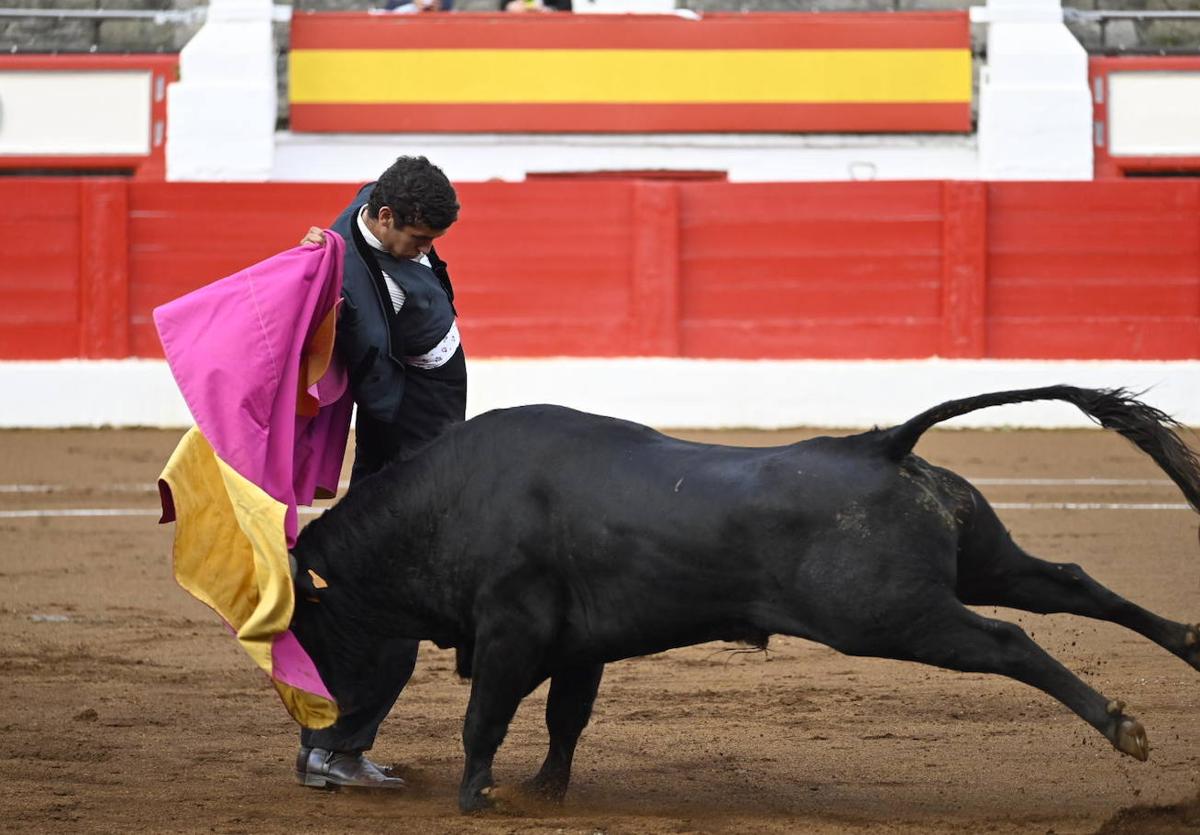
(677, 393)
(358, 158)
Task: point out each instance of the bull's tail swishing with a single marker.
(1152, 430)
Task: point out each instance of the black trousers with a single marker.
(392, 665)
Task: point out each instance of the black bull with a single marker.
(543, 543)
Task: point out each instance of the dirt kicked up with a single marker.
(126, 708)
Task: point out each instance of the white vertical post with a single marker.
(221, 113)
(1035, 111)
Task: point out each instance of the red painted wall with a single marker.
(820, 270)
(652, 268)
(1107, 269)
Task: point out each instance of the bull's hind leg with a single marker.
(568, 708)
(994, 571)
(958, 639)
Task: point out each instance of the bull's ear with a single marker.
(309, 584)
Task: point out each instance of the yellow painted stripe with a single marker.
(658, 76)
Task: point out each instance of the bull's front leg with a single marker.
(502, 673)
(568, 709)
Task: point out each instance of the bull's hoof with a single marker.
(476, 802)
(1131, 739)
(496, 800)
(1191, 643)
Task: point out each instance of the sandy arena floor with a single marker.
(127, 709)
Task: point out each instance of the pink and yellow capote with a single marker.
(253, 357)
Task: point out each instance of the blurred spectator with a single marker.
(535, 6)
(416, 6)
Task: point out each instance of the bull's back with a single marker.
(644, 541)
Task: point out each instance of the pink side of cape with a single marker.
(234, 347)
(291, 665)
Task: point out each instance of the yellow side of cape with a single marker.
(230, 553)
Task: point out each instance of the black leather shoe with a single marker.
(320, 768)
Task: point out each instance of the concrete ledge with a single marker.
(677, 393)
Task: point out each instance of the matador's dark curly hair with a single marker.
(417, 192)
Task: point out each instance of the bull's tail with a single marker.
(1151, 430)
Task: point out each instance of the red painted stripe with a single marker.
(772, 203)
(69, 163)
(485, 337)
(909, 30)
(1111, 198)
(1155, 268)
(775, 296)
(1140, 63)
(816, 339)
(948, 117)
(1163, 163)
(1072, 337)
(161, 63)
(1090, 299)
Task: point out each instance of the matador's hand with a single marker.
(314, 236)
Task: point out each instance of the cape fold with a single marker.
(253, 357)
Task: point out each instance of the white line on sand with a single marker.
(64, 488)
(40, 513)
(54, 512)
(1089, 506)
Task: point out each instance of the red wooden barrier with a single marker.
(1103, 270)
(816, 270)
(184, 235)
(605, 268)
(40, 269)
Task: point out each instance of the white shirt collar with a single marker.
(368, 236)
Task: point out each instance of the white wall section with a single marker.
(51, 112)
(1153, 113)
(680, 393)
(341, 158)
(1035, 107)
(221, 113)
